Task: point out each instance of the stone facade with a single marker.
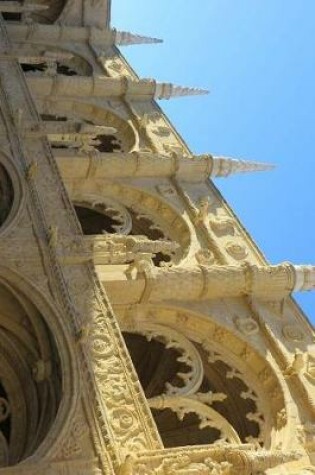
(141, 330)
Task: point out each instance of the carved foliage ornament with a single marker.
(184, 466)
(120, 221)
(191, 379)
(194, 397)
(107, 215)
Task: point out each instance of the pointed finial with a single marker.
(167, 90)
(224, 166)
(124, 38)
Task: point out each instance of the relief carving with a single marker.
(297, 366)
(205, 257)
(168, 191)
(246, 325)
(293, 333)
(222, 225)
(112, 389)
(72, 446)
(310, 368)
(237, 251)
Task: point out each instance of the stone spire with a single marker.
(125, 38)
(224, 166)
(204, 282)
(168, 90)
(142, 89)
(147, 164)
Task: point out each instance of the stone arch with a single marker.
(245, 370)
(145, 210)
(68, 61)
(12, 196)
(125, 139)
(49, 15)
(37, 370)
(53, 12)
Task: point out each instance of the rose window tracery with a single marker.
(195, 398)
(30, 377)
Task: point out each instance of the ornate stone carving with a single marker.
(48, 247)
(72, 446)
(306, 434)
(202, 210)
(122, 222)
(184, 466)
(211, 282)
(247, 325)
(297, 366)
(205, 257)
(161, 131)
(293, 333)
(199, 405)
(310, 368)
(282, 418)
(222, 225)
(191, 379)
(210, 461)
(237, 251)
(167, 190)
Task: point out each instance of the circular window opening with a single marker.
(6, 194)
(30, 377)
(11, 192)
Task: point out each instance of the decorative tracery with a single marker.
(196, 397)
(51, 61)
(49, 13)
(79, 135)
(30, 377)
(122, 140)
(108, 216)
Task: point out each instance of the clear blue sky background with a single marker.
(257, 57)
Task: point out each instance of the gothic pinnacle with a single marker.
(168, 90)
(125, 38)
(225, 166)
(100, 86)
(146, 164)
(212, 282)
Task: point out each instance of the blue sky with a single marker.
(257, 57)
